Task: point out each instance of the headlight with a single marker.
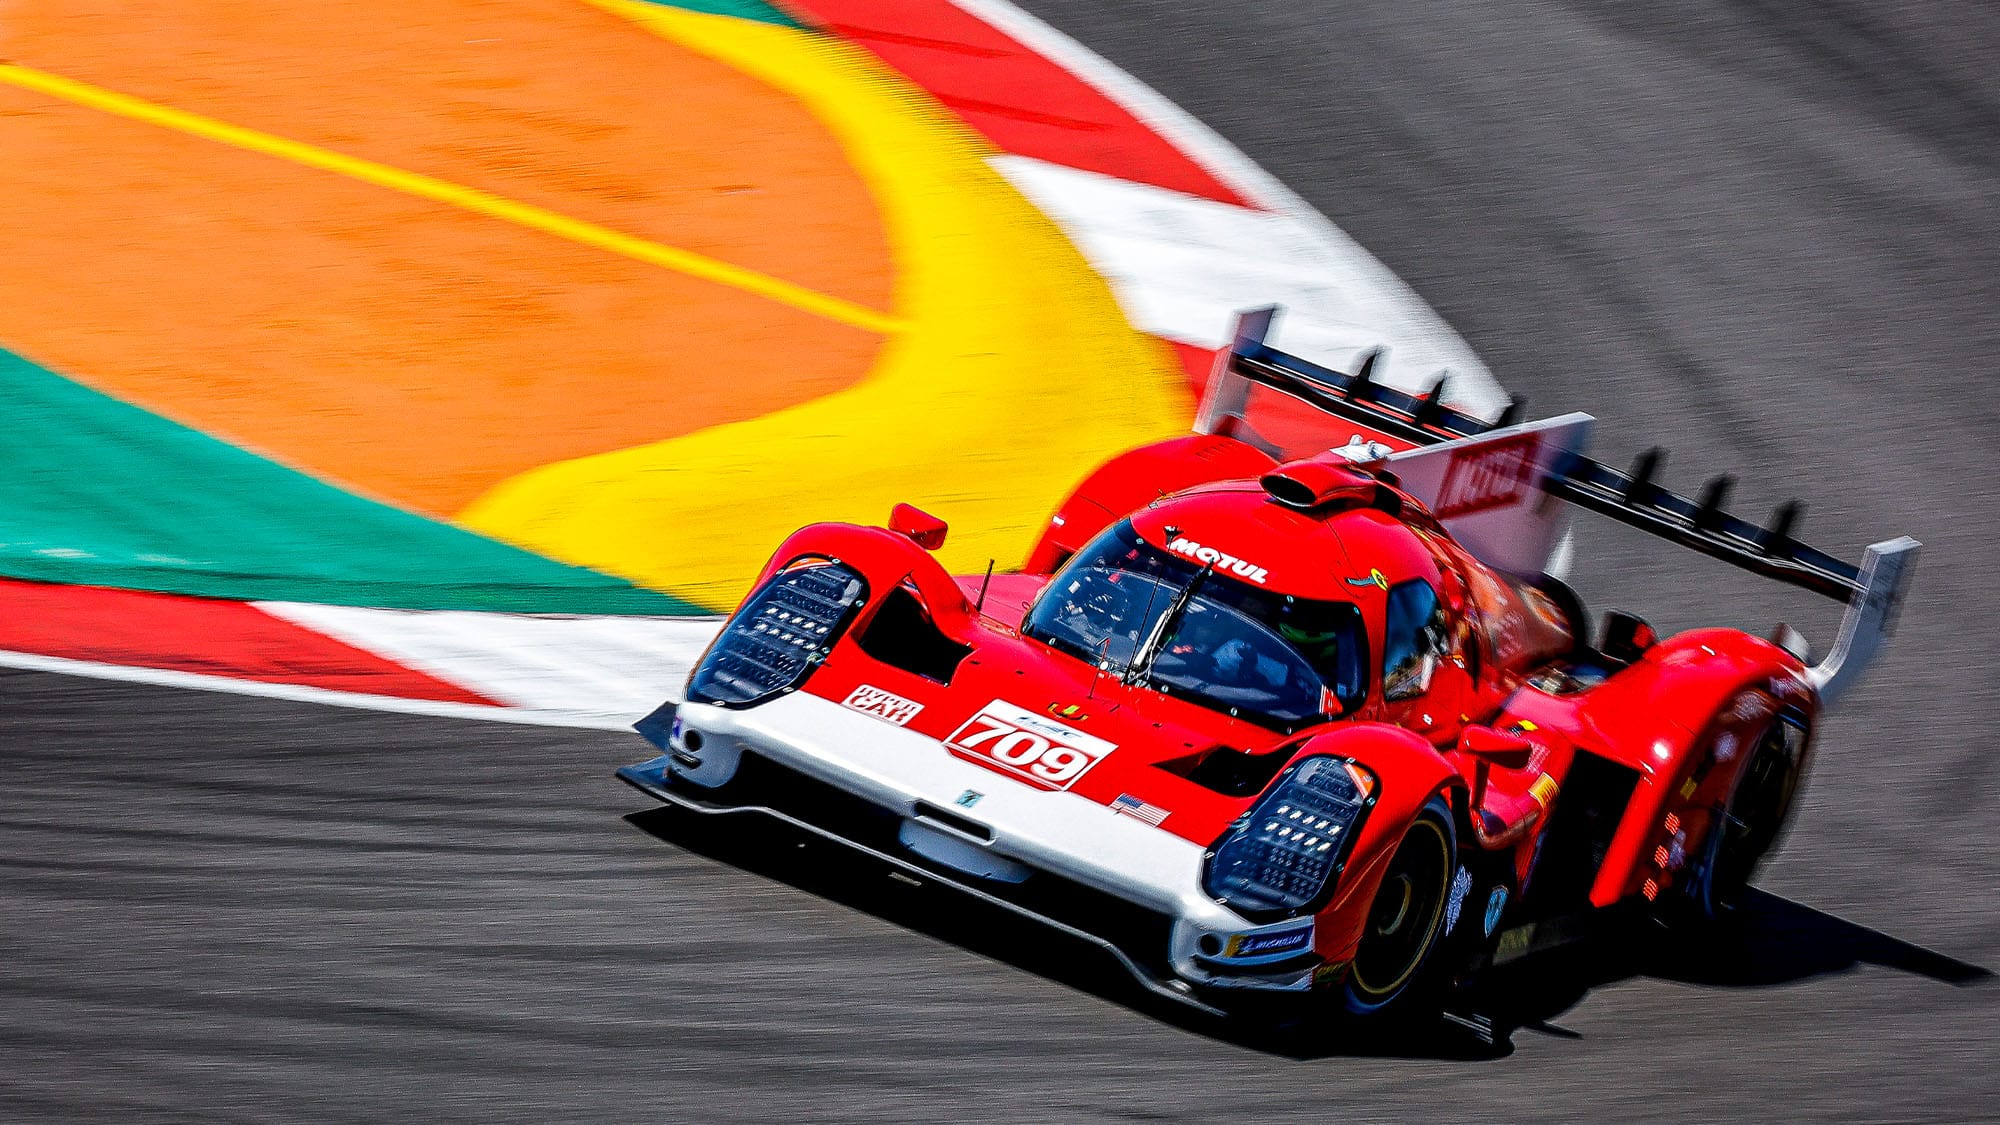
(779, 636)
(1279, 859)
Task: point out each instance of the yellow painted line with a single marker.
(456, 195)
(1017, 376)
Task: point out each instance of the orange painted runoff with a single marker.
(413, 350)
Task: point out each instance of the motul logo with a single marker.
(1248, 571)
(1483, 477)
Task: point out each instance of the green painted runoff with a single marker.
(94, 491)
(742, 9)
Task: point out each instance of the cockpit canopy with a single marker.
(1183, 629)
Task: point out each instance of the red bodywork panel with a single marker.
(1136, 479)
(1684, 717)
(1671, 716)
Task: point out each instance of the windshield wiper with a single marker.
(1142, 660)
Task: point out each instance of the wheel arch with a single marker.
(1686, 721)
(1410, 772)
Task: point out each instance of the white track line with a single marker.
(601, 668)
(1183, 266)
(299, 693)
(1418, 338)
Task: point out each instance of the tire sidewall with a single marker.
(1421, 980)
(1707, 902)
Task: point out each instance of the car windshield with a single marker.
(1273, 659)
(1107, 601)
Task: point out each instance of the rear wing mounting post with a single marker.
(1228, 391)
(1870, 618)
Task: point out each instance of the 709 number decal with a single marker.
(1032, 747)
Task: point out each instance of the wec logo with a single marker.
(1247, 571)
(1017, 741)
(1495, 475)
(884, 705)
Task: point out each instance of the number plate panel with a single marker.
(1031, 747)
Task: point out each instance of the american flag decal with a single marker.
(1134, 807)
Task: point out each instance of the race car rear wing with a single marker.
(1872, 589)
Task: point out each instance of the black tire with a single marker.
(1392, 973)
(1750, 825)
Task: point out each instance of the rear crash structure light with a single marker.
(779, 636)
(1280, 859)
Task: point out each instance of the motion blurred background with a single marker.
(330, 334)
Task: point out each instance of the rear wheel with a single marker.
(1749, 824)
(1405, 927)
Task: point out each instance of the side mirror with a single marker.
(926, 529)
(1496, 747)
(1488, 748)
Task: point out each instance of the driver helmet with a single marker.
(1301, 637)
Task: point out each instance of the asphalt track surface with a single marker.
(1765, 238)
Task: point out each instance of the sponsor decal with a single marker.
(1241, 568)
(1329, 974)
(1268, 944)
(1461, 884)
(1752, 708)
(1688, 787)
(1543, 791)
(1506, 634)
(1032, 747)
(1066, 710)
(1374, 578)
(884, 705)
(1487, 476)
(1495, 904)
(968, 798)
(1134, 807)
(1544, 608)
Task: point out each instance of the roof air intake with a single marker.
(1318, 484)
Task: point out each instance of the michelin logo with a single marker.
(1268, 945)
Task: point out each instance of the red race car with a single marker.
(1321, 727)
